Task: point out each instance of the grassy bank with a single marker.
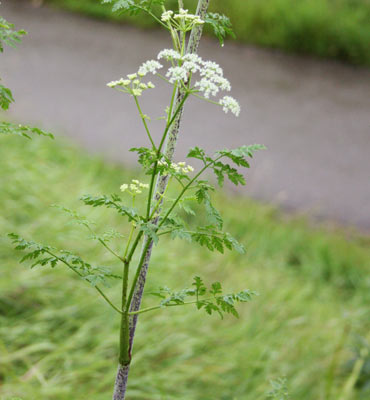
(336, 29)
(58, 341)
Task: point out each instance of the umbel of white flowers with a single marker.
(180, 167)
(210, 80)
(134, 188)
(182, 21)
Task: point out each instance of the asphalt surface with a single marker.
(313, 115)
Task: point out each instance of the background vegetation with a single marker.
(58, 340)
(336, 29)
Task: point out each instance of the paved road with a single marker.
(313, 115)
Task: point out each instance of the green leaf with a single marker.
(221, 170)
(112, 201)
(75, 216)
(214, 217)
(201, 193)
(200, 287)
(8, 35)
(239, 154)
(147, 157)
(231, 243)
(181, 234)
(107, 236)
(215, 302)
(6, 97)
(218, 244)
(216, 288)
(133, 7)
(184, 205)
(43, 255)
(8, 128)
(244, 296)
(221, 26)
(198, 153)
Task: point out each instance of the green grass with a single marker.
(58, 341)
(336, 29)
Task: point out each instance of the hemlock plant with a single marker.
(148, 207)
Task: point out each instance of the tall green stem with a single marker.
(142, 116)
(124, 352)
(164, 136)
(162, 181)
(134, 300)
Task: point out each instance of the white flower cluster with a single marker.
(230, 104)
(177, 74)
(167, 15)
(169, 55)
(179, 167)
(183, 20)
(134, 187)
(211, 81)
(132, 85)
(151, 66)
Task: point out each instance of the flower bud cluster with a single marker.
(132, 85)
(183, 21)
(134, 188)
(180, 167)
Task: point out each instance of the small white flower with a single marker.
(120, 82)
(149, 66)
(182, 167)
(175, 167)
(230, 104)
(176, 74)
(222, 82)
(210, 69)
(112, 84)
(193, 58)
(191, 66)
(150, 85)
(134, 187)
(137, 92)
(207, 87)
(169, 54)
(166, 16)
(132, 76)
